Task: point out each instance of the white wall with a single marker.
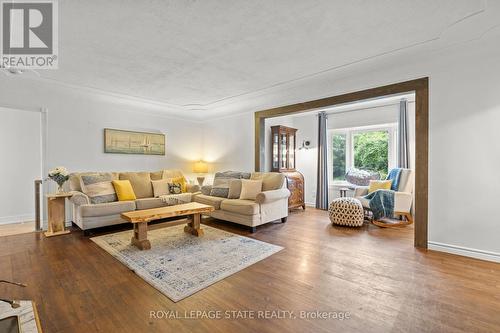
(228, 144)
(20, 154)
(77, 118)
(464, 117)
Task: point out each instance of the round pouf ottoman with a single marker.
(346, 211)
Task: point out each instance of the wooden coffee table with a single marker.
(140, 219)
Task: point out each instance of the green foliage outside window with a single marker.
(371, 151)
(339, 151)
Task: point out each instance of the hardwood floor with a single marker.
(374, 274)
(17, 228)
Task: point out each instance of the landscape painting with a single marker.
(130, 142)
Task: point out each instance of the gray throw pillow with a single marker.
(221, 192)
(205, 189)
(98, 187)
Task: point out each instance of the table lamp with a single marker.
(200, 167)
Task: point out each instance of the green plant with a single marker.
(371, 151)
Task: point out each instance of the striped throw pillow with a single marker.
(98, 187)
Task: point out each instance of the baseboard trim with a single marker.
(464, 251)
(16, 219)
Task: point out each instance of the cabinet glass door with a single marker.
(275, 151)
(291, 152)
(284, 150)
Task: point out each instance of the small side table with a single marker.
(56, 204)
(343, 192)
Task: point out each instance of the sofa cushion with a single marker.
(141, 183)
(232, 174)
(244, 207)
(205, 189)
(160, 187)
(104, 209)
(250, 188)
(182, 181)
(208, 200)
(270, 180)
(157, 175)
(75, 178)
(221, 192)
(98, 187)
(148, 203)
(174, 188)
(124, 190)
(172, 174)
(375, 185)
(234, 189)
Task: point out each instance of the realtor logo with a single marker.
(29, 34)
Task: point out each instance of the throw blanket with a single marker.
(381, 203)
(394, 175)
(176, 199)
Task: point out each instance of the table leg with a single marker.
(194, 225)
(140, 238)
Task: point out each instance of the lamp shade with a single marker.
(200, 167)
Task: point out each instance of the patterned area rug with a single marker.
(180, 264)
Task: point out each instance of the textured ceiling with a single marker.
(192, 55)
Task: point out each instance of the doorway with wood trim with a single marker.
(417, 87)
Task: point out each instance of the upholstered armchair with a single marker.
(403, 199)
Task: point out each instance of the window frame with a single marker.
(349, 132)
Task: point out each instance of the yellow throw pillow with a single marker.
(182, 181)
(124, 190)
(379, 185)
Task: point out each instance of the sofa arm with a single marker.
(79, 198)
(274, 195)
(360, 191)
(193, 188)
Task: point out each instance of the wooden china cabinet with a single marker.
(284, 144)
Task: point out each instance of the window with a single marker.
(367, 148)
(339, 155)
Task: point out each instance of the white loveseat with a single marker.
(271, 204)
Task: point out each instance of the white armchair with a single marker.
(403, 199)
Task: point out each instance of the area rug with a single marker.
(180, 264)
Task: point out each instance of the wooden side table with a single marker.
(56, 204)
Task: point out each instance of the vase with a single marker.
(60, 188)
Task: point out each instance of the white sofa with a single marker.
(88, 216)
(271, 204)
